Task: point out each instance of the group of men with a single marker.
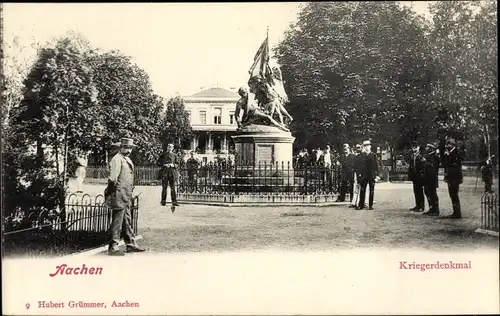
(423, 171)
(359, 170)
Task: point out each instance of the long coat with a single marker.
(122, 176)
(369, 166)
(430, 169)
(453, 166)
(415, 168)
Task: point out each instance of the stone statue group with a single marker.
(268, 107)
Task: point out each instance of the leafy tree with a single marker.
(357, 70)
(464, 41)
(175, 126)
(128, 106)
(57, 112)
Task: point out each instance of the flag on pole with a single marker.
(260, 67)
(270, 75)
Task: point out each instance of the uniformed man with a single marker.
(119, 197)
(453, 176)
(430, 168)
(169, 163)
(415, 171)
(369, 175)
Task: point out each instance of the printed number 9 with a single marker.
(28, 305)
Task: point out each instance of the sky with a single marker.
(183, 47)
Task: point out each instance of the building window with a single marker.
(217, 116)
(203, 117)
(231, 118)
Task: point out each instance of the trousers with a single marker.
(346, 186)
(453, 187)
(418, 192)
(165, 183)
(432, 197)
(121, 223)
(362, 194)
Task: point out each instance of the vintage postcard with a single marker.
(275, 158)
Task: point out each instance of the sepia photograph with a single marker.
(265, 158)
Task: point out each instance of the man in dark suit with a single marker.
(369, 175)
(486, 168)
(357, 161)
(430, 168)
(347, 175)
(415, 171)
(452, 161)
(169, 174)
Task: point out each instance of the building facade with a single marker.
(212, 118)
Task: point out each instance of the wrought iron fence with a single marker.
(489, 212)
(261, 178)
(83, 224)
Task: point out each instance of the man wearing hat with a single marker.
(169, 175)
(415, 171)
(430, 168)
(369, 174)
(119, 197)
(452, 160)
(347, 174)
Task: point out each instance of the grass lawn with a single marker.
(197, 228)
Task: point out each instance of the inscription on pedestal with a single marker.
(265, 154)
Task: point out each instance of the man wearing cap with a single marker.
(452, 161)
(369, 175)
(415, 171)
(169, 174)
(430, 168)
(119, 197)
(347, 174)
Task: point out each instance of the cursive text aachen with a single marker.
(64, 269)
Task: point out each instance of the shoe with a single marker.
(135, 249)
(359, 208)
(413, 209)
(431, 213)
(352, 206)
(163, 203)
(453, 216)
(116, 253)
(418, 210)
(340, 200)
(370, 208)
(175, 204)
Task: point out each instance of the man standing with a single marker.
(347, 175)
(169, 174)
(453, 174)
(119, 197)
(415, 172)
(369, 175)
(192, 168)
(486, 168)
(430, 168)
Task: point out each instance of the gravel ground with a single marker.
(198, 228)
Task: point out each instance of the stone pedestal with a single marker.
(263, 158)
(260, 144)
